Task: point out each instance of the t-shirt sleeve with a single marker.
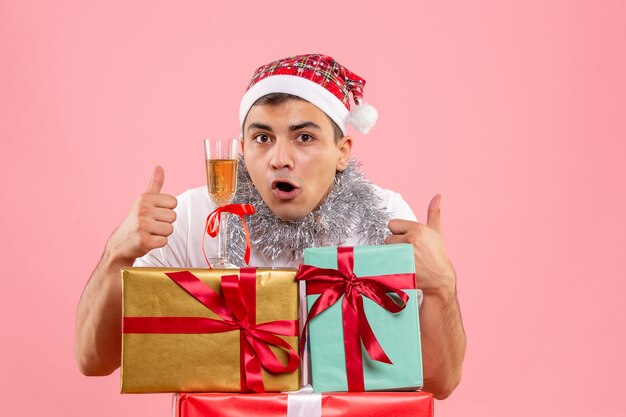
(397, 207)
(174, 254)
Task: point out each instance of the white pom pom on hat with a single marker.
(363, 117)
(320, 80)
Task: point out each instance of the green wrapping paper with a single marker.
(398, 334)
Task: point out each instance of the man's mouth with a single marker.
(285, 190)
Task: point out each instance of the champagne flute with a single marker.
(221, 156)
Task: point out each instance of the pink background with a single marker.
(514, 111)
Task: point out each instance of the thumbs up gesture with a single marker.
(147, 225)
(433, 270)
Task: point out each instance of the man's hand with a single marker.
(147, 225)
(99, 314)
(434, 271)
(443, 337)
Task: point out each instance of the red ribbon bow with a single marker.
(332, 284)
(237, 308)
(213, 220)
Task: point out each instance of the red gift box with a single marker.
(357, 404)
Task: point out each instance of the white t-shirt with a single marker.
(184, 246)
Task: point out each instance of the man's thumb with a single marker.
(156, 182)
(434, 213)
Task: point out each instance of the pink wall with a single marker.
(514, 111)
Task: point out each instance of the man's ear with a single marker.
(345, 147)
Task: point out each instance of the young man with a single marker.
(307, 192)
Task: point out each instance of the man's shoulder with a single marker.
(382, 191)
(198, 194)
(385, 194)
(201, 190)
(393, 203)
(195, 201)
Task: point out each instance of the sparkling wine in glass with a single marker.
(221, 156)
(221, 177)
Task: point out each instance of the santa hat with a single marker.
(318, 79)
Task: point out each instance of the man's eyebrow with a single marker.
(304, 125)
(259, 126)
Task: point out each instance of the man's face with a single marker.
(291, 155)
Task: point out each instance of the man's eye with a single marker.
(262, 138)
(305, 138)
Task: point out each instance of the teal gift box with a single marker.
(346, 277)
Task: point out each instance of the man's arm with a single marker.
(443, 337)
(99, 314)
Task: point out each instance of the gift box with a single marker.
(203, 330)
(358, 404)
(363, 320)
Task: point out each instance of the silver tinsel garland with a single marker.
(351, 208)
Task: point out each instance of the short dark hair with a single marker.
(275, 99)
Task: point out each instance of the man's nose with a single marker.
(282, 156)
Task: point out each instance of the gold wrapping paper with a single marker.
(198, 362)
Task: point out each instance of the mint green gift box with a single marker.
(398, 334)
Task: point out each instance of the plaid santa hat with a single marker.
(318, 79)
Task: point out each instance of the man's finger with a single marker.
(165, 201)
(160, 228)
(400, 226)
(164, 215)
(156, 182)
(391, 239)
(434, 213)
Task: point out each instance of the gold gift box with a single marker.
(198, 362)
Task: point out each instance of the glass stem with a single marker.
(222, 250)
